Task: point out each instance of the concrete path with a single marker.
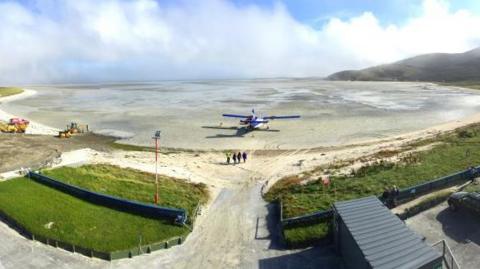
(460, 229)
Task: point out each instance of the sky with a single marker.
(49, 41)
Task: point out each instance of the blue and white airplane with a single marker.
(250, 123)
(253, 122)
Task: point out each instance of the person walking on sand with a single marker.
(234, 157)
(239, 157)
(244, 155)
(228, 157)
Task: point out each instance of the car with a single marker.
(467, 200)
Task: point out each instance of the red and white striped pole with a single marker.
(156, 137)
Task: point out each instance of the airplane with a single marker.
(254, 122)
(250, 123)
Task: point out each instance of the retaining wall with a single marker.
(109, 256)
(109, 201)
(148, 210)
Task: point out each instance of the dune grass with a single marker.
(128, 147)
(457, 151)
(78, 222)
(474, 187)
(465, 84)
(7, 91)
(133, 184)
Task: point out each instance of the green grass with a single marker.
(474, 187)
(457, 151)
(128, 147)
(7, 91)
(430, 201)
(301, 236)
(466, 84)
(78, 222)
(133, 184)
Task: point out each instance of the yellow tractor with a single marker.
(16, 125)
(64, 134)
(77, 128)
(73, 128)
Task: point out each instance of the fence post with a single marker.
(444, 247)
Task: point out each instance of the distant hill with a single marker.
(441, 67)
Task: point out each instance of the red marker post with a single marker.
(156, 137)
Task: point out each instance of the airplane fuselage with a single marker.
(253, 122)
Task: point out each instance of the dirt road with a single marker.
(18, 150)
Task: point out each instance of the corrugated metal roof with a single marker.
(385, 241)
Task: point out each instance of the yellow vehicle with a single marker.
(73, 128)
(16, 125)
(64, 134)
(7, 128)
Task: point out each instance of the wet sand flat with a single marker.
(333, 113)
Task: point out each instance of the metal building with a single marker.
(367, 235)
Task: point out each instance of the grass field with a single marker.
(466, 84)
(133, 184)
(6, 91)
(456, 152)
(78, 222)
(302, 236)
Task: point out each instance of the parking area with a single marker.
(460, 229)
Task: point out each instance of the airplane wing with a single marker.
(282, 117)
(235, 116)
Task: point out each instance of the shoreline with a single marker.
(37, 128)
(34, 128)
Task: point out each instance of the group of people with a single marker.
(236, 157)
(389, 196)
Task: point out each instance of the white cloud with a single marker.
(135, 40)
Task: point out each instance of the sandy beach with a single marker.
(33, 127)
(263, 165)
(189, 113)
